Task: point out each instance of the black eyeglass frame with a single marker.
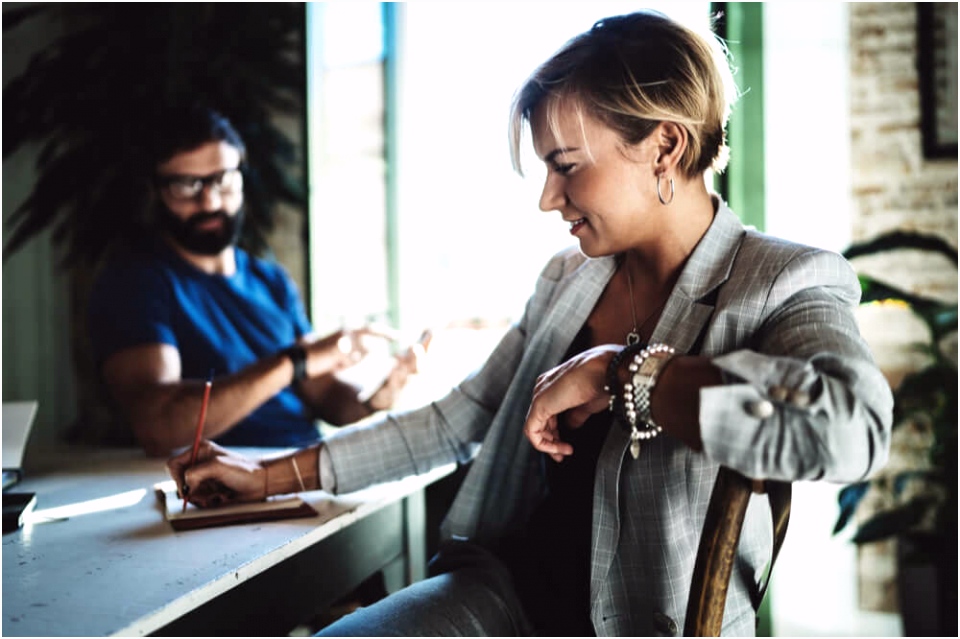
(201, 183)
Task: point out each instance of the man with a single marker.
(188, 304)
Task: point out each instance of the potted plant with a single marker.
(918, 487)
(90, 97)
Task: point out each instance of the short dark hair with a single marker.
(186, 128)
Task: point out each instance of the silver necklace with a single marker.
(633, 337)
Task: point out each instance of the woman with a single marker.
(745, 349)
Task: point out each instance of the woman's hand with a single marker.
(217, 477)
(575, 387)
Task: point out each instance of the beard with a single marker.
(187, 234)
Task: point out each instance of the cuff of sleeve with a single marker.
(328, 482)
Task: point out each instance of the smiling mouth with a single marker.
(575, 224)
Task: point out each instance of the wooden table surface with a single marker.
(120, 569)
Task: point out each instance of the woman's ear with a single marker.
(671, 139)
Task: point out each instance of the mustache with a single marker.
(203, 217)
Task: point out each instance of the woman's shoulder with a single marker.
(761, 248)
(790, 265)
(567, 261)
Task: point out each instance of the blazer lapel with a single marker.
(684, 318)
(505, 470)
(691, 302)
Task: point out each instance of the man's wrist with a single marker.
(298, 357)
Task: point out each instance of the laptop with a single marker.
(15, 430)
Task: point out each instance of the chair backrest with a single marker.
(718, 547)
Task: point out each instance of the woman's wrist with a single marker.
(675, 401)
(292, 473)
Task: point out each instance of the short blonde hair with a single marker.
(632, 72)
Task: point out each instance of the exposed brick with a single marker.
(894, 187)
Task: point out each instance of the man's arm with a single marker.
(162, 408)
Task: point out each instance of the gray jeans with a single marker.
(470, 593)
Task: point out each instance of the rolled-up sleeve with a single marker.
(807, 400)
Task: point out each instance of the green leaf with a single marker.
(89, 99)
(899, 240)
(849, 498)
(889, 523)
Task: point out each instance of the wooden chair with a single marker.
(718, 545)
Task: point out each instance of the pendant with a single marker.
(633, 338)
(635, 443)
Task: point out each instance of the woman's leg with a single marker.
(472, 596)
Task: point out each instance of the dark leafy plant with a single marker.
(924, 497)
(89, 101)
(91, 98)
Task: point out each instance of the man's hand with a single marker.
(340, 349)
(575, 387)
(218, 477)
(406, 365)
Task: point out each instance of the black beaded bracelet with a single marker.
(298, 357)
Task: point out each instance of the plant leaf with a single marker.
(892, 522)
(849, 498)
(897, 240)
(88, 99)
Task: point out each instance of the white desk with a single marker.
(125, 572)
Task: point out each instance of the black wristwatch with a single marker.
(298, 357)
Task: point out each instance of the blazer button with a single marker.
(799, 398)
(760, 409)
(778, 393)
(664, 625)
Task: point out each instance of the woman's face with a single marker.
(604, 190)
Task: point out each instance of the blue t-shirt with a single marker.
(217, 322)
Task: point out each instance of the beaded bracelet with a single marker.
(645, 369)
(613, 379)
(646, 362)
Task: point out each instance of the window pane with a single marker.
(471, 237)
(347, 195)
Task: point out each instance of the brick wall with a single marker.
(894, 187)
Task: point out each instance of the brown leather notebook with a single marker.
(277, 507)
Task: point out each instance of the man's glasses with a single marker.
(191, 187)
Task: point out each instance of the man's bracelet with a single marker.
(298, 357)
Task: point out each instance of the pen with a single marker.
(196, 438)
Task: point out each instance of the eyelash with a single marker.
(563, 169)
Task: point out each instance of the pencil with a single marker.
(196, 438)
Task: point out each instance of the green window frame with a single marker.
(743, 183)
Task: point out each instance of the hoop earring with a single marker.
(660, 195)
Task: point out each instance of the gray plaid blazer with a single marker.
(803, 400)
